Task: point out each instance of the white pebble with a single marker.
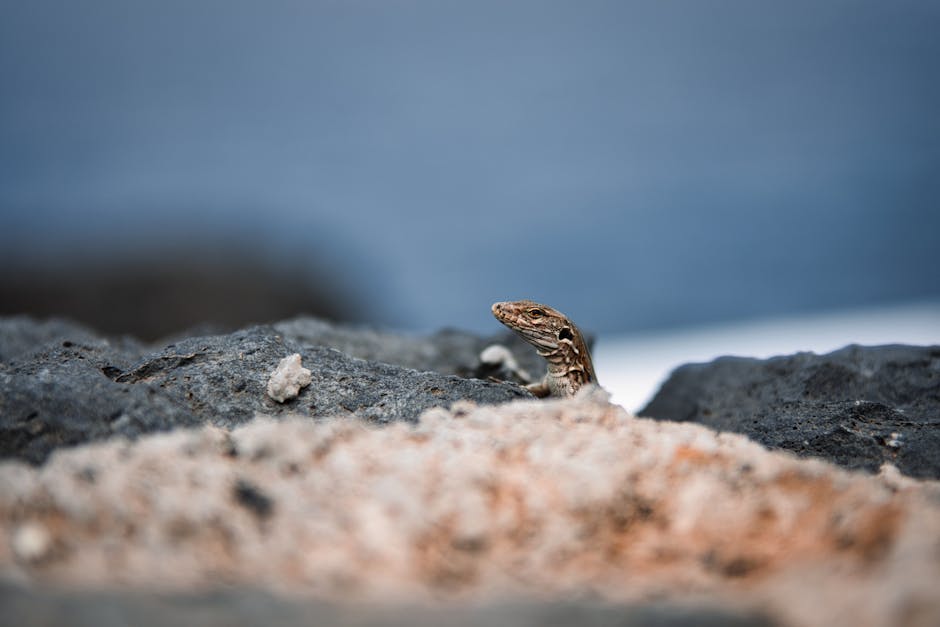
(288, 378)
(31, 542)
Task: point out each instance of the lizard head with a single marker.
(539, 325)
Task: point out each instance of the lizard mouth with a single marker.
(500, 311)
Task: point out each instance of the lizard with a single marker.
(556, 339)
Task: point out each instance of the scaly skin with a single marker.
(556, 339)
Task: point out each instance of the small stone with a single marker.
(31, 542)
(498, 355)
(497, 360)
(288, 378)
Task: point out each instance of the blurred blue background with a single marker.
(638, 165)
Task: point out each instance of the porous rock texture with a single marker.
(63, 385)
(532, 500)
(449, 351)
(859, 407)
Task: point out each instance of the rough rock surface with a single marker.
(858, 407)
(72, 386)
(21, 335)
(537, 500)
(59, 395)
(449, 351)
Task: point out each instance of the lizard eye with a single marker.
(536, 313)
(565, 334)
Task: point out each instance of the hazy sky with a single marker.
(636, 164)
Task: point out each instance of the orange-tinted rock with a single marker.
(547, 500)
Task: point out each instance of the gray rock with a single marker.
(858, 407)
(60, 395)
(448, 351)
(69, 391)
(20, 335)
(223, 379)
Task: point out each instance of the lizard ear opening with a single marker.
(565, 334)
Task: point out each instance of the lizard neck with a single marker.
(570, 360)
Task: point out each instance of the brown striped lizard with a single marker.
(556, 339)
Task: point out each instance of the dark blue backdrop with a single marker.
(637, 164)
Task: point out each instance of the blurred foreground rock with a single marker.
(858, 407)
(62, 385)
(531, 501)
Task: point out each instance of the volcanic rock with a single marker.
(858, 407)
(61, 385)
